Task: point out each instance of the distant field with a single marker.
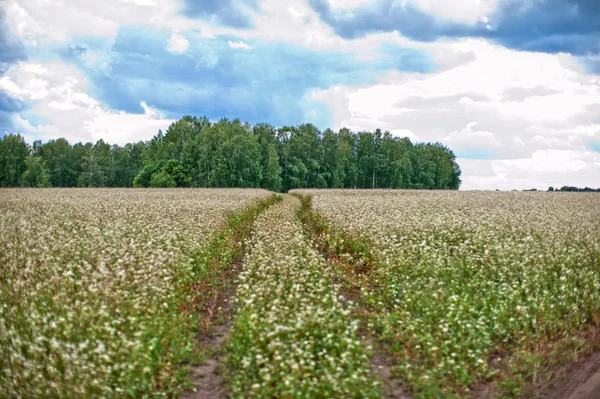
(93, 284)
(469, 287)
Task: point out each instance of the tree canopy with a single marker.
(195, 152)
(575, 189)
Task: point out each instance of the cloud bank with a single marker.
(512, 87)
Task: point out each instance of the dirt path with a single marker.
(392, 388)
(577, 381)
(207, 379)
(581, 381)
(381, 362)
(216, 319)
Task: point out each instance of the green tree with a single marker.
(63, 163)
(127, 163)
(144, 176)
(348, 162)
(162, 180)
(365, 159)
(423, 168)
(271, 170)
(36, 174)
(177, 171)
(178, 135)
(197, 153)
(154, 174)
(304, 154)
(236, 162)
(13, 153)
(97, 166)
(331, 164)
(209, 142)
(269, 157)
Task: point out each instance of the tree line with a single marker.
(572, 189)
(194, 152)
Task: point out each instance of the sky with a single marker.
(511, 86)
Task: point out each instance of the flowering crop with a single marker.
(94, 284)
(292, 337)
(458, 278)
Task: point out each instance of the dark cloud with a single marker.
(11, 51)
(8, 107)
(549, 26)
(265, 84)
(9, 104)
(591, 64)
(519, 93)
(226, 12)
(422, 103)
(11, 48)
(72, 52)
(385, 16)
(6, 125)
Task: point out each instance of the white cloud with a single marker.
(121, 127)
(30, 85)
(60, 20)
(404, 133)
(521, 102)
(470, 137)
(206, 33)
(70, 111)
(239, 44)
(295, 22)
(144, 3)
(488, 98)
(40, 130)
(466, 11)
(544, 168)
(177, 43)
(292, 21)
(546, 161)
(338, 5)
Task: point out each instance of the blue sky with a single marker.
(511, 86)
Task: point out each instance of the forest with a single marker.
(572, 189)
(195, 152)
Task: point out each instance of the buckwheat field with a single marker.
(292, 337)
(468, 287)
(95, 283)
(117, 292)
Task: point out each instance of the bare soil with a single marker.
(571, 380)
(207, 378)
(578, 381)
(392, 388)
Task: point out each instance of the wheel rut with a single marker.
(580, 381)
(208, 379)
(216, 315)
(381, 362)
